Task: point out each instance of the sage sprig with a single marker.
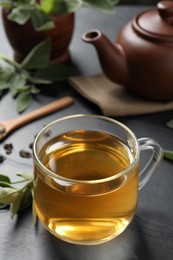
(22, 79)
(17, 198)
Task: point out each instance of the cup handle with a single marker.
(150, 167)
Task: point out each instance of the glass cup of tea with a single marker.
(87, 177)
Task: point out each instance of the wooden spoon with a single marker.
(7, 127)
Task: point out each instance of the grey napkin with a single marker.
(113, 99)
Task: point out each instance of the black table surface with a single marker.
(150, 235)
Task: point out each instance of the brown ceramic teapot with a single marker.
(142, 57)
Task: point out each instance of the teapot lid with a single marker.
(158, 23)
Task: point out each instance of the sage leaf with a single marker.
(27, 88)
(5, 181)
(5, 184)
(18, 16)
(55, 72)
(2, 205)
(8, 195)
(26, 176)
(5, 76)
(38, 57)
(26, 198)
(15, 205)
(18, 81)
(65, 6)
(36, 80)
(113, 2)
(3, 86)
(6, 4)
(34, 90)
(13, 63)
(104, 5)
(48, 6)
(5, 178)
(41, 21)
(168, 154)
(23, 101)
(18, 199)
(170, 123)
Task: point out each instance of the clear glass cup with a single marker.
(87, 177)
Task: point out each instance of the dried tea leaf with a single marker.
(25, 154)
(2, 158)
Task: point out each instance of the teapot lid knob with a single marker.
(165, 9)
(156, 24)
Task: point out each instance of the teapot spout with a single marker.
(112, 57)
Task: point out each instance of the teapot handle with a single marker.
(156, 156)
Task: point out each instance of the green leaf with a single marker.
(34, 90)
(41, 21)
(26, 199)
(104, 5)
(15, 205)
(170, 123)
(6, 3)
(113, 2)
(17, 82)
(5, 184)
(65, 6)
(168, 154)
(2, 205)
(8, 195)
(5, 178)
(19, 199)
(5, 76)
(56, 72)
(5, 181)
(23, 101)
(48, 6)
(36, 80)
(13, 63)
(26, 176)
(38, 57)
(3, 85)
(19, 15)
